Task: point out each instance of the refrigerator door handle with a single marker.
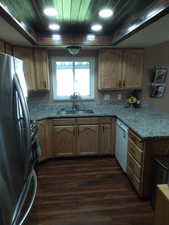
(34, 177)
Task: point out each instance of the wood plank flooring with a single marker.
(87, 192)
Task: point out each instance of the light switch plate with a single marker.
(119, 96)
(106, 97)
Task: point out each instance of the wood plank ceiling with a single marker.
(74, 16)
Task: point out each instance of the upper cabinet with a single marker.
(41, 69)
(26, 54)
(120, 69)
(6, 48)
(36, 67)
(132, 69)
(110, 67)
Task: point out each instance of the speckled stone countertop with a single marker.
(146, 122)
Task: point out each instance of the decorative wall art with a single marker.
(158, 86)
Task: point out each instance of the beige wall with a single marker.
(156, 55)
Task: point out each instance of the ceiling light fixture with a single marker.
(90, 37)
(73, 50)
(50, 11)
(105, 13)
(54, 26)
(96, 27)
(56, 37)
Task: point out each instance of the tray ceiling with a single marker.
(74, 16)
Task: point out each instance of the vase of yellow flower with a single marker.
(133, 102)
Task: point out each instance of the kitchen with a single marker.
(95, 80)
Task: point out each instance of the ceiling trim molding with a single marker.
(142, 21)
(20, 27)
(66, 40)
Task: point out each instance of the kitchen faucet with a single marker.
(75, 98)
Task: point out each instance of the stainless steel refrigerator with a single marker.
(17, 175)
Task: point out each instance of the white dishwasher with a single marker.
(121, 144)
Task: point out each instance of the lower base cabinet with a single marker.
(43, 133)
(106, 139)
(63, 140)
(76, 137)
(87, 139)
(141, 153)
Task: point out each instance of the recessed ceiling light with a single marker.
(50, 11)
(56, 37)
(105, 13)
(96, 27)
(90, 37)
(54, 26)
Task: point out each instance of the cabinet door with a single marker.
(26, 54)
(110, 69)
(132, 69)
(106, 139)
(87, 139)
(63, 140)
(42, 69)
(2, 47)
(42, 130)
(8, 49)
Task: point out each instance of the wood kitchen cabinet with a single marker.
(77, 136)
(120, 69)
(161, 215)
(26, 54)
(110, 67)
(106, 139)
(43, 140)
(132, 69)
(2, 46)
(36, 68)
(141, 153)
(87, 139)
(41, 69)
(6, 48)
(63, 140)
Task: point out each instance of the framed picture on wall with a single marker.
(160, 75)
(158, 91)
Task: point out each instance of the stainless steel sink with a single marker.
(78, 112)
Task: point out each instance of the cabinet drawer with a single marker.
(136, 139)
(135, 151)
(134, 180)
(63, 122)
(88, 120)
(134, 165)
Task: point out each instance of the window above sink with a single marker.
(73, 74)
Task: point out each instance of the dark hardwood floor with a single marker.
(87, 192)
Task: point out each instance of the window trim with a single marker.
(77, 59)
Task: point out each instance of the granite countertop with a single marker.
(146, 122)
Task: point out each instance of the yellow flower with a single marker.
(132, 99)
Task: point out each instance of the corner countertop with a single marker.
(146, 122)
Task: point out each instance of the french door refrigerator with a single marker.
(17, 175)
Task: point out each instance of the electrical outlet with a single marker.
(106, 97)
(119, 96)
